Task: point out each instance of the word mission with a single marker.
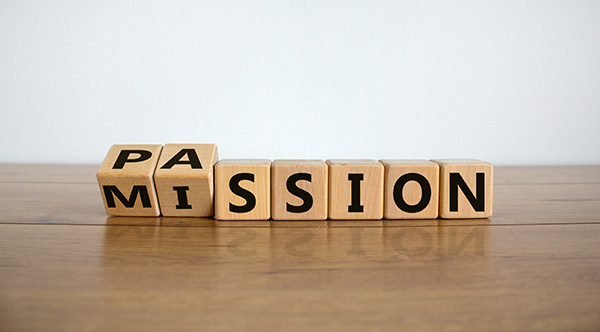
(188, 180)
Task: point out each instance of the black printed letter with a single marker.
(182, 198)
(128, 203)
(425, 193)
(234, 185)
(355, 202)
(303, 194)
(478, 203)
(193, 159)
(124, 157)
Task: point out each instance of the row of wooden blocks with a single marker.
(188, 180)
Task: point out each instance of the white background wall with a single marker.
(509, 82)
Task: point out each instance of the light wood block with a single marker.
(355, 189)
(299, 190)
(126, 180)
(466, 188)
(184, 180)
(411, 189)
(534, 265)
(243, 189)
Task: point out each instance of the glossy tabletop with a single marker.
(66, 265)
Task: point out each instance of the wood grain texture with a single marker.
(533, 266)
(132, 180)
(185, 187)
(504, 175)
(412, 193)
(540, 278)
(81, 204)
(259, 187)
(54, 173)
(367, 184)
(468, 172)
(313, 207)
(62, 173)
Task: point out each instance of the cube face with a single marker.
(243, 189)
(299, 190)
(184, 180)
(355, 189)
(466, 188)
(411, 189)
(126, 180)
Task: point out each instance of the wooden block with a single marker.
(184, 180)
(126, 180)
(243, 189)
(411, 189)
(466, 188)
(355, 189)
(299, 190)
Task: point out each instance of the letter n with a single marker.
(477, 202)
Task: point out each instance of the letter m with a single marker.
(111, 191)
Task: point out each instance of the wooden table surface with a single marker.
(65, 265)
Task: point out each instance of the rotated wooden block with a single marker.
(466, 188)
(126, 180)
(184, 180)
(355, 189)
(411, 189)
(243, 189)
(299, 190)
